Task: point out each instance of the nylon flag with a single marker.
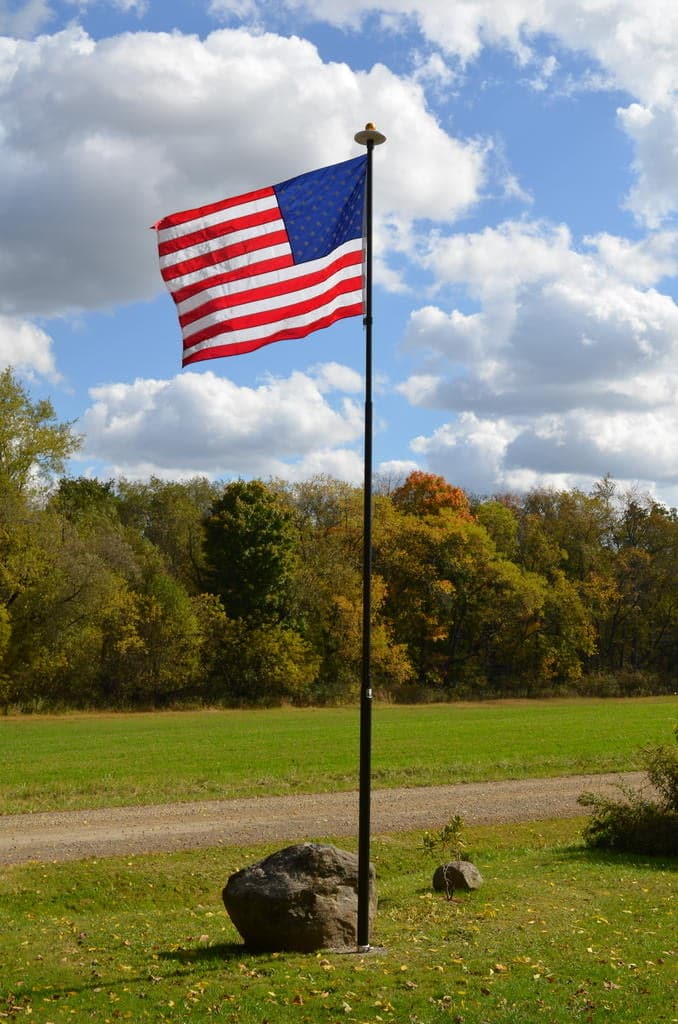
(269, 265)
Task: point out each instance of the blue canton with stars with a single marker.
(323, 209)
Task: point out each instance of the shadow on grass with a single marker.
(184, 957)
(591, 855)
(224, 951)
(108, 984)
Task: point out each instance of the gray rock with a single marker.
(460, 875)
(302, 898)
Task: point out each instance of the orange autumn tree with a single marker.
(425, 494)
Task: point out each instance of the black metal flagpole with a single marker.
(370, 138)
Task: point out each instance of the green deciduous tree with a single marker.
(470, 618)
(501, 522)
(260, 665)
(171, 515)
(568, 530)
(328, 593)
(123, 593)
(85, 501)
(250, 552)
(33, 445)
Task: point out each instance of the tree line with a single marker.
(122, 593)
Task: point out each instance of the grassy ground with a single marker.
(82, 761)
(557, 934)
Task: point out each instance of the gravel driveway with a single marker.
(73, 835)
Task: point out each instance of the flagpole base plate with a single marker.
(359, 951)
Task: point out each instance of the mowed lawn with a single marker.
(556, 934)
(96, 760)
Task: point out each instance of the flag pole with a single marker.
(370, 138)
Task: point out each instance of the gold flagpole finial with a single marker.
(369, 134)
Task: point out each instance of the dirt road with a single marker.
(73, 835)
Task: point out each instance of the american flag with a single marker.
(276, 263)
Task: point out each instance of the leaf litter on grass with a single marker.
(556, 934)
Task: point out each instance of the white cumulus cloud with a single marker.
(638, 43)
(23, 19)
(654, 131)
(27, 348)
(283, 427)
(471, 450)
(568, 365)
(101, 138)
(630, 46)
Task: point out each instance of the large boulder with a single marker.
(458, 874)
(302, 898)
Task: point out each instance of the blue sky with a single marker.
(526, 326)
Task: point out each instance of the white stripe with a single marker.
(228, 238)
(236, 263)
(266, 330)
(275, 301)
(271, 277)
(221, 216)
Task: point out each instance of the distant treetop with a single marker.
(425, 494)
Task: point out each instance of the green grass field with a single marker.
(556, 934)
(83, 761)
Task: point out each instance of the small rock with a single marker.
(459, 875)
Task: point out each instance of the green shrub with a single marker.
(448, 839)
(622, 683)
(661, 764)
(638, 824)
(635, 825)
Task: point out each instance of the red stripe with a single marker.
(286, 334)
(239, 274)
(228, 252)
(225, 227)
(173, 219)
(271, 316)
(285, 286)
